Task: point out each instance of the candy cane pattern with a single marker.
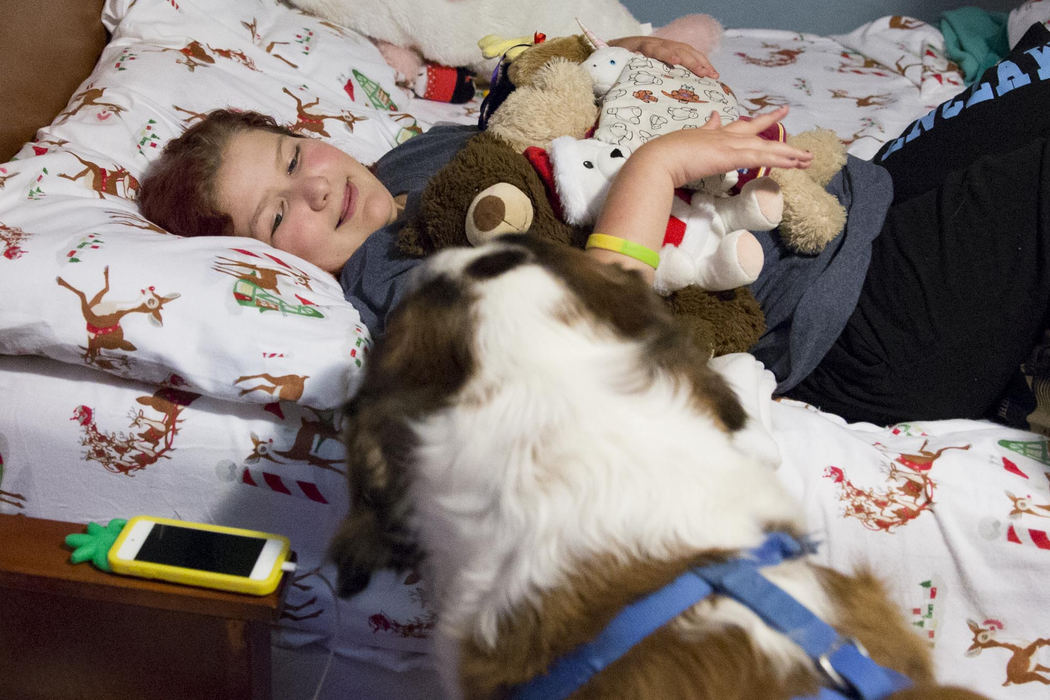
(271, 481)
(1026, 505)
(289, 487)
(1030, 536)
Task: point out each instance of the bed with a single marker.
(201, 379)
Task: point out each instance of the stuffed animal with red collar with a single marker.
(708, 241)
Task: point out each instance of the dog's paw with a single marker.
(360, 548)
(351, 583)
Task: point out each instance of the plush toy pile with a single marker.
(541, 167)
(489, 189)
(562, 116)
(642, 99)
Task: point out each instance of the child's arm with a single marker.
(675, 53)
(639, 201)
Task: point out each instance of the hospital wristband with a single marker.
(625, 247)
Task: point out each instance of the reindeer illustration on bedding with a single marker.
(102, 320)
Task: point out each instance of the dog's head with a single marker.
(477, 321)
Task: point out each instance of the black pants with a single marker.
(959, 284)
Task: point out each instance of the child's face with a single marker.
(301, 195)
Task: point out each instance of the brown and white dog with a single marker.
(539, 436)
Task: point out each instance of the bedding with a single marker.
(201, 379)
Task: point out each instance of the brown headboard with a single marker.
(47, 48)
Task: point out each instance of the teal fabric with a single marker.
(976, 39)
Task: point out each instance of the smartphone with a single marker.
(198, 554)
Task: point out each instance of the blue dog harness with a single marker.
(850, 671)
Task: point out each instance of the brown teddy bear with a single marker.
(554, 96)
(488, 189)
(485, 190)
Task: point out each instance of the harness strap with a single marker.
(852, 672)
(634, 623)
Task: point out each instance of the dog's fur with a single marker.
(536, 432)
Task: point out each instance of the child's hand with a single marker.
(639, 200)
(669, 51)
(690, 154)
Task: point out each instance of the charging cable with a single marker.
(291, 567)
(331, 643)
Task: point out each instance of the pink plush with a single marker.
(406, 62)
(703, 32)
(427, 79)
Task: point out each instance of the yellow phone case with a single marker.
(196, 577)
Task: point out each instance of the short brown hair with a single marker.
(178, 191)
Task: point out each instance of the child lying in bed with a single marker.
(923, 307)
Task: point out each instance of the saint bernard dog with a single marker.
(540, 439)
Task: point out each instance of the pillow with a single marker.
(227, 317)
(88, 281)
(32, 48)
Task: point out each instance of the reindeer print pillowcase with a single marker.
(226, 317)
(87, 280)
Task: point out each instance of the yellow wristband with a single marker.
(625, 247)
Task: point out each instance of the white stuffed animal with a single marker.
(709, 241)
(447, 31)
(413, 35)
(605, 66)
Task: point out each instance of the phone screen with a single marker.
(218, 552)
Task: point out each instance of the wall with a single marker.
(817, 16)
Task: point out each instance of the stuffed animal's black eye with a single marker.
(588, 164)
(612, 61)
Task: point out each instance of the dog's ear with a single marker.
(366, 544)
(427, 353)
(609, 292)
(376, 534)
(423, 358)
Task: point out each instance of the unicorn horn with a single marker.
(595, 41)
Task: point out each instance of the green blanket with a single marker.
(975, 39)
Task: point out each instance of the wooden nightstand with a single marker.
(71, 631)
